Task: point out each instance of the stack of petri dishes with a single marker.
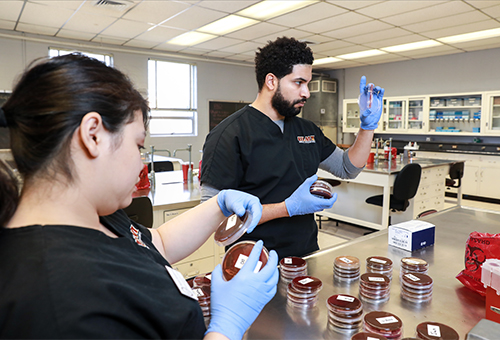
(416, 287)
(345, 312)
(435, 331)
(237, 255)
(384, 323)
(291, 267)
(379, 265)
(201, 286)
(374, 287)
(413, 265)
(322, 189)
(346, 268)
(367, 336)
(303, 292)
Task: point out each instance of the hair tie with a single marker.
(3, 120)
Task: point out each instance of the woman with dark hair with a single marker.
(74, 265)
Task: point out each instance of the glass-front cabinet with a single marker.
(492, 124)
(455, 114)
(396, 114)
(350, 117)
(406, 115)
(416, 115)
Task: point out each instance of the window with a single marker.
(105, 58)
(172, 98)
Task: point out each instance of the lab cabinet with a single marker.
(350, 117)
(455, 113)
(406, 115)
(492, 124)
(396, 114)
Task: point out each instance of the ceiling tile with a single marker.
(242, 48)
(429, 13)
(219, 54)
(481, 4)
(493, 11)
(7, 25)
(140, 43)
(78, 35)
(336, 22)
(347, 32)
(90, 23)
(155, 11)
(424, 52)
(219, 43)
(255, 31)
(308, 14)
(89, 7)
(351, 4)
(297, 34)
(338, 65)
(406, 39)
(193, 18)
(389, 8)
(195, 50)
(165, 47)
(126, 29)
(106, 39)
(10, 10)
(461, 29)
(160, 34)
(49, 16)
(68, 4)
(479, 44)
(378, 39)
(331, 46)
(384, 58)
(454, 20)
(37, 29)
(226, 6)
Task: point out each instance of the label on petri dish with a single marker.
(434, 330)
(306, 281)
(377, 260)
(345, 298)
(370, 338)
(413, 261)
(241, 261)
(376, 279)
(345, 259)
(387, 319)
(198, 292)
(287, 260)
(412, 277)
(231, 221)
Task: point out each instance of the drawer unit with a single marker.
(206, 250)
(197, 267)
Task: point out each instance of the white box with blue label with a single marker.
(412, 235)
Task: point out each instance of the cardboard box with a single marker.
(490, 277)
(412, 235)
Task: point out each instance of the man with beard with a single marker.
(265, 150)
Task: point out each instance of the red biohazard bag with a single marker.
(143, 179)
(479, 247)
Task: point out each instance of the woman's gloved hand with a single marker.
(236, 304)
(238, 202)
(302, 202)
(370, 110)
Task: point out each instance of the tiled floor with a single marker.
(333, 233)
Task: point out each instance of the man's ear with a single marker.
(271, 82)
(91, 133)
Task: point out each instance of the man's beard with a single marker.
(284, 107)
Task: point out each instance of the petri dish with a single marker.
(236, 257)
(413, 265)
(367, 336)
(322, 189)
(306, 284)
(232, 228)
(384, 323)
(436, 331)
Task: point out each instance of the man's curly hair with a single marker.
(279, 57)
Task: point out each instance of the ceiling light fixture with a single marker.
(272, 8)
(412, 46)
(495, 32)
(191, 38)
(227, 24)
(327, 60)
(362, 54)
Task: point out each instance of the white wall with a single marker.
(216, 81)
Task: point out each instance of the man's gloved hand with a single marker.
(370, 116)
(238, 202)
(302, 202)
(236, 304)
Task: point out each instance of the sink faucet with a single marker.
(190, 170)
(152, 177)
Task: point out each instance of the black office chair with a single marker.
(455, 175)
(405, 188)
(162, 166)
(141, 211)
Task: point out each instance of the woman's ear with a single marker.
(271, 82)
(91, 133)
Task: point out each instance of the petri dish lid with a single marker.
(232, 228)
(346, 262)
(383, 321)
(375, 280)
(436, 331)
(344, 302)
(236, 256)
(414, 263)
(379, 262)
(417, 280)
(293, 263)
(306, 284)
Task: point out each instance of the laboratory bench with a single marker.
(452, 303)
(378, 178)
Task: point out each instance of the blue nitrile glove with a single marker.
(302, 202)
(235, 304)
(370, 116)
(238, 202)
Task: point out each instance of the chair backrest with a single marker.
(141, 211)
(456, 170)
(407, 181)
